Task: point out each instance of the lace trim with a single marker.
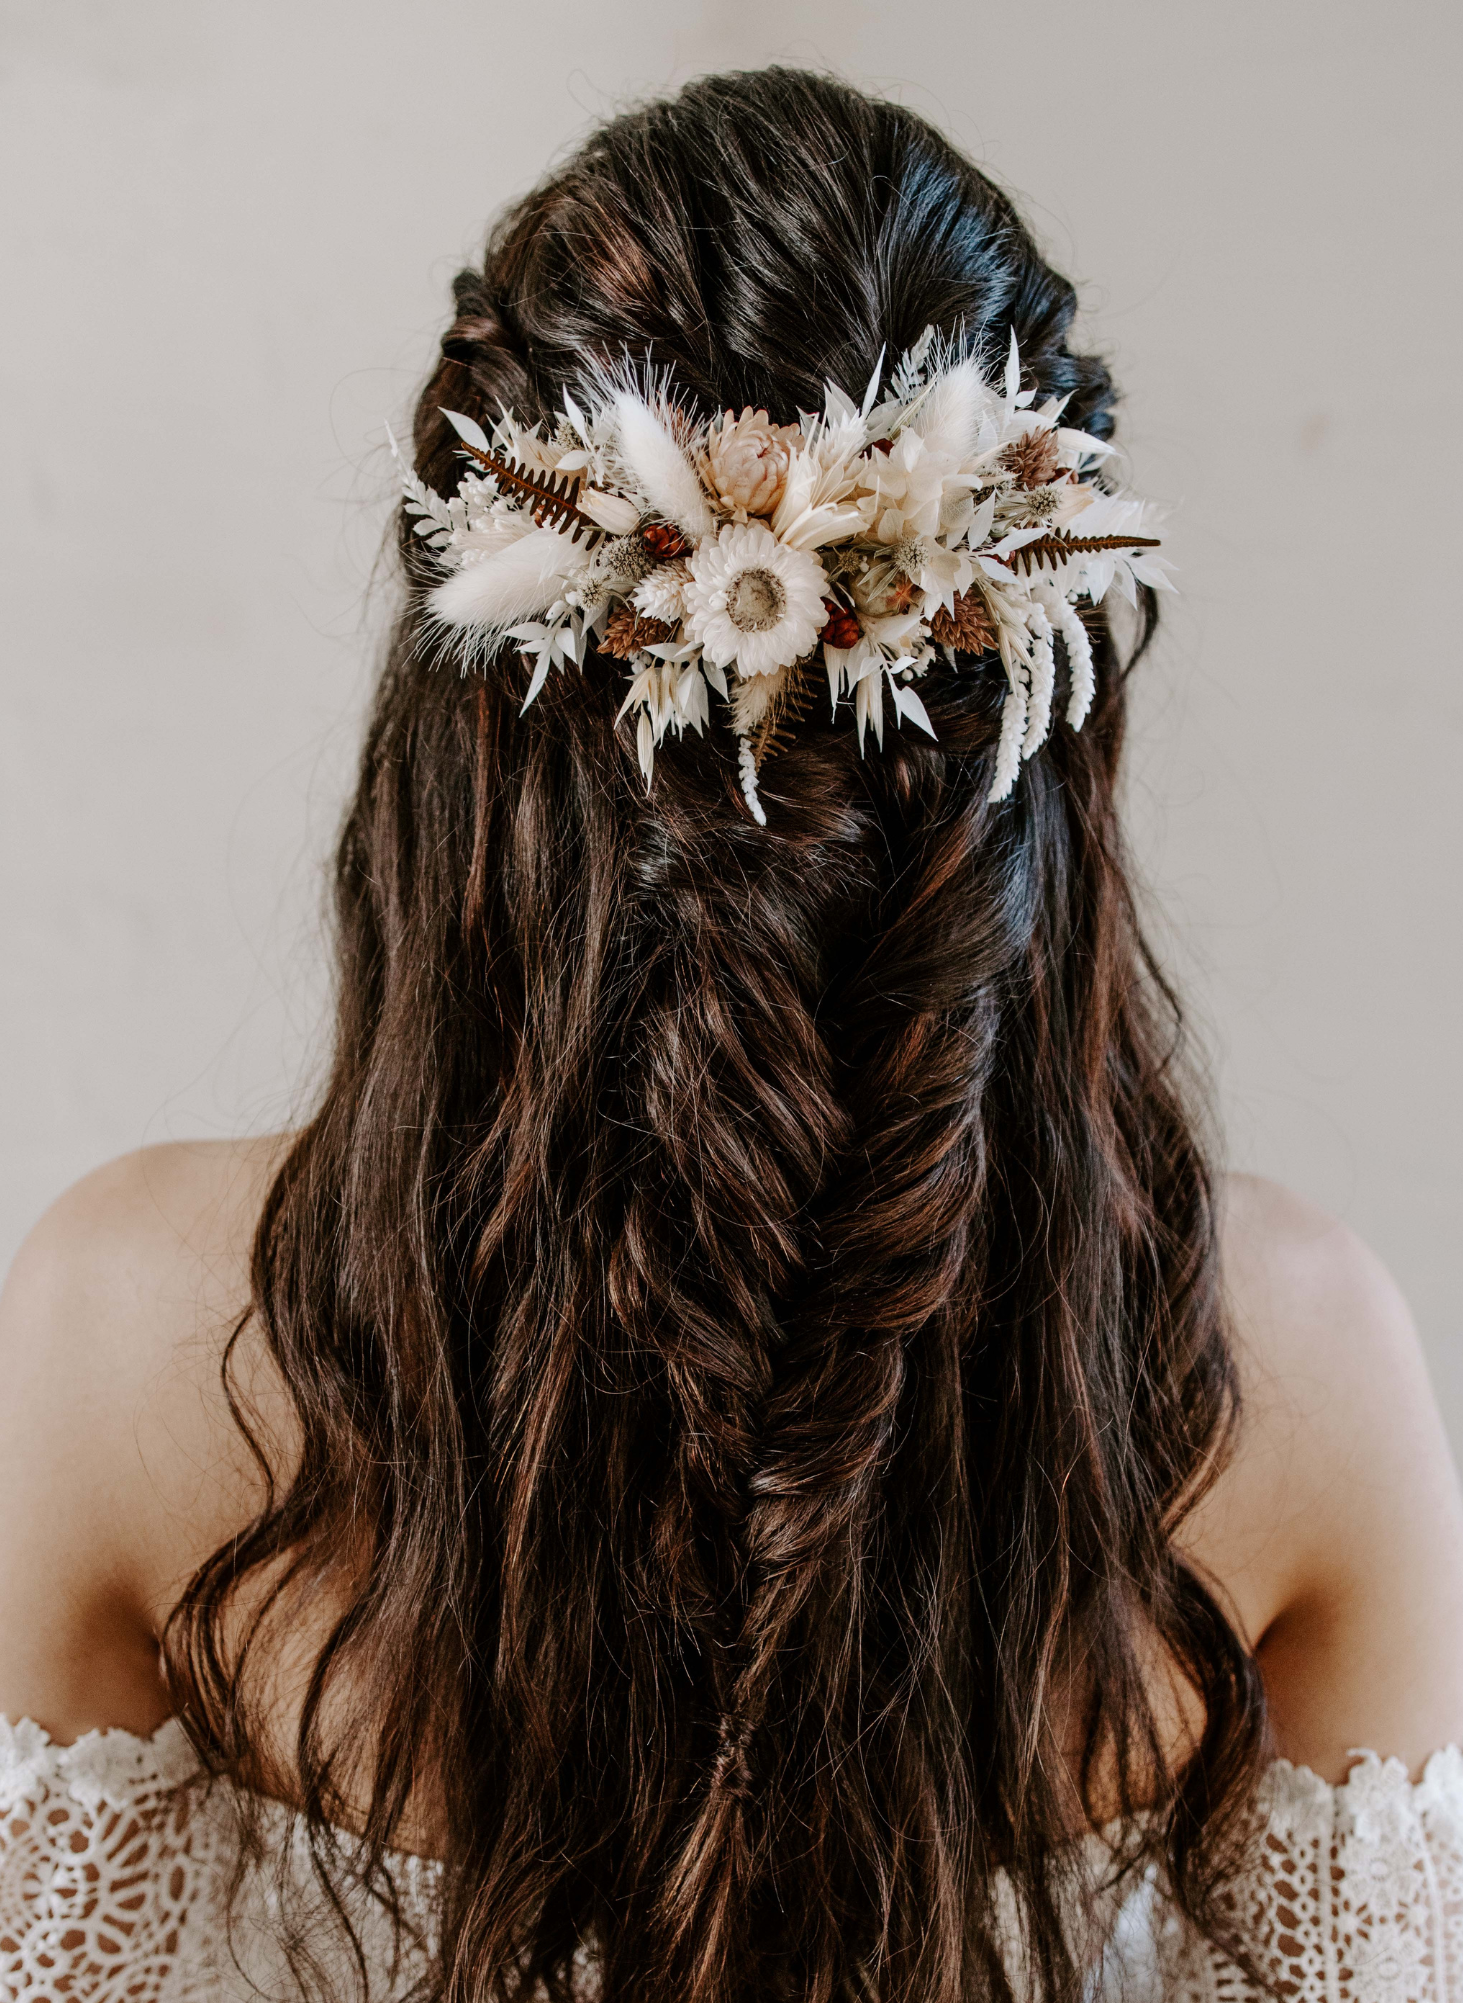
(1355, 1895)
(112, 1767)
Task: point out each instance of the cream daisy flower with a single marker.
(754, 600)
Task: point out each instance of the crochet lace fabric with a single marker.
(115, 1863)
(116, 1859)
(1357, 1895)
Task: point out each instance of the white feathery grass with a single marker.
(513, 583)
(751, 698)
(951, 411)
(659, 467)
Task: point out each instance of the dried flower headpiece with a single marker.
(886, 536)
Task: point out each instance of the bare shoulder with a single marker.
(120, 1467)
(1337, 1528)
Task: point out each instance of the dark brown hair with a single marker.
(750, 1297)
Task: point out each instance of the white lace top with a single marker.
(115, 1864)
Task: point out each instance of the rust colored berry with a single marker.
(842, 629)
(664, 540)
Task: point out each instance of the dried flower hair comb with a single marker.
(887, 536)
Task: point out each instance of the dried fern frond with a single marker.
(551, 500)
(1057, 547)
(788, 706)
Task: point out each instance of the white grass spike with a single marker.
(1078, 642)
(1013, 732)
(747, 766)
(1043, 678)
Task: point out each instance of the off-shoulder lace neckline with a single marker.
(111, 1760)
(114, 1872)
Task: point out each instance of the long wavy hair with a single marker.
(749, 1297)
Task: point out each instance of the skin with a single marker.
(1335, 1534)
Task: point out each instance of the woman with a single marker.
(741, 1453)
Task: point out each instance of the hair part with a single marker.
(750, 1297)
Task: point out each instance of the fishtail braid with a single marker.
(892, 1284)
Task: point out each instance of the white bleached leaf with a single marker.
(907, 703)
(1077, 446)
(868, 704)
(1017, 539)
(611, 511)
(1013, 370)
(467, 429)
(873, 389)
(691, 698)
(550, 646)
(980, 525)
(540, 676)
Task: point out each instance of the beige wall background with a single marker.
(227, 240)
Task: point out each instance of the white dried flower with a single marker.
(754, 601)
(613, 571)
(746, 461)
(662, 594)
(954, 511)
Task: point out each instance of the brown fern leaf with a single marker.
(551, 500)
(788, 707)
(1056, 547)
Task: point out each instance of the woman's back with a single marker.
(124, 1469)
(1334, 1532)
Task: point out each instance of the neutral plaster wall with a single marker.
(227, 240)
